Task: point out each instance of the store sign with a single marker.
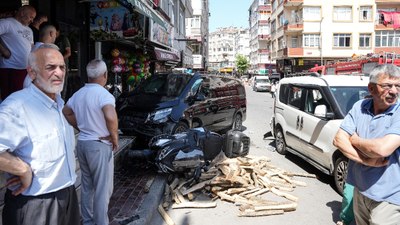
(161, 35)
(110, 21)
(144, 9)
(165, 55)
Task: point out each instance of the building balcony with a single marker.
(264, 8)
(387, 2)
(263, 51)
(296, 27)
(293, 2)
(387, 20)
(290, 52)
(266, 37)
(379, 50)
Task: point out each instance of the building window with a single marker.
(387, 39)
(312, 13)
(294, 42)
(273, 26)
(281, 43)
(365, 40)
(311, 40)
(181, 23)
(341, 40)
(342, 13)
(196, 22)
(274, 5)
(282, 20)
(365, 13)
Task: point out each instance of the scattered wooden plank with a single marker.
(260, 213)
(165, 216)
(194, 205)
(242, 181)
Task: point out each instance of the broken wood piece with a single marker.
(250, 191)
(194, 205)
(285, 195)
(167, 197)
(196, 187)
(255, 180)
(289, 180)
(179, 196)
(165, 216)
(225, 197)
(174, 183)
(260, 213)
(190, 196)
(232, 191)
(309, 175)
(290, 206)
(259, 192)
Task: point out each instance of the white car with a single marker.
(261, 83)
(308, 112)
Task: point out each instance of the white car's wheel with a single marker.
(280, 143)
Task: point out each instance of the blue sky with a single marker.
(225, 13)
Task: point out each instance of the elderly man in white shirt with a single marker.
(91, 110)
(37, 148)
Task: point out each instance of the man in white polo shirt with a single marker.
(91, 110)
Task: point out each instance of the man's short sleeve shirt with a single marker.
(377, 183)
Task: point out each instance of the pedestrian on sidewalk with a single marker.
(91, 110)
(37, 148)
(17, 37)
(273, 89)
(370, 137)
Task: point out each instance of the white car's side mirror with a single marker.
(320, 111)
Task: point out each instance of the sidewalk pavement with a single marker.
(130, 204)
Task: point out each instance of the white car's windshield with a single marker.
(262, 81)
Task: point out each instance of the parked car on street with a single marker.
(307, 114)
(169, 103)
(261, 83)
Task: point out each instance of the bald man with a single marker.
(18, 38)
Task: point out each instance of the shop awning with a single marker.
(144, 9)
(165, 55)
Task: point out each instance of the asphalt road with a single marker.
(319, 203)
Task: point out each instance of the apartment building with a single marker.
(305, 33)
(222, 47)
(242, 43)
(260, 34)
(197, 33)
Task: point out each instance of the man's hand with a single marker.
(373, 162)
(23, 181)
(114, 141)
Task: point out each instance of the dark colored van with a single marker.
(169, 103)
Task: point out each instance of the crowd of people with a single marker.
(37, 128)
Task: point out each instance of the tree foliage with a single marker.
(242, 64)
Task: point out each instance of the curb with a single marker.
(151, 201)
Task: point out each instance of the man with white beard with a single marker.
(37, 147)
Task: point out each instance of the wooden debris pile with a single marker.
(242, 181)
